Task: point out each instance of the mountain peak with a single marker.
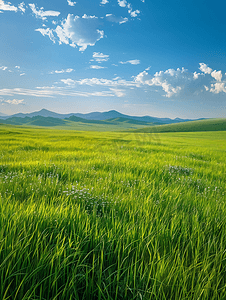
(113, 110)
(44, 110)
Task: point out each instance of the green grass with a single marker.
(191, 126)
(91, 215)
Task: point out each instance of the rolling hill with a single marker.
(201, 125)
(76, 123)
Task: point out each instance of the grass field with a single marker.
(91, 215)
(191, 126)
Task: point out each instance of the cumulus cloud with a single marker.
(204, 68)
(196, 75)
(40, 13)
(122, 3)
(7, 6)
(134, 13)
(81, 32)
(104, 2)
(70, 3)
(132, 62)
(114, 19)
(13, 102)
(218, 87)
(217, 75)
(171, 81)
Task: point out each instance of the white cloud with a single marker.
(196, 75)
(99, 82)
(96, 67)
(119, 93)
(171, 81)
(122, 3)
(13, 102)
(142, 77)
(104, 2)
(218, 87)
(217, 75)
(114, 19)
(3, 68)
(7, 6)
(100, 57)
(62, 71)
(70, 3)
(134, 13)
(48, 32)
(21, 7)
(40, 13)
(132, 62)
(51, 92)
(174, 81)
(78, 31)
(85, 16)
(22, 74)
(17, 67)
(204, 68)
(68, 81)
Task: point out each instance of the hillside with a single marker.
(76, 123)
(36, 121)
(191, 126)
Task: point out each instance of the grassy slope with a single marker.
(112, 215)
(202, 125)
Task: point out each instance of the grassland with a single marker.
(191, 126)
(90, 215)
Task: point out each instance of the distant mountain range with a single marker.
(95, 116)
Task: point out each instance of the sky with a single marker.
(162, 58)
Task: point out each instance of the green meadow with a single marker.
(191, 126)
(112, 215)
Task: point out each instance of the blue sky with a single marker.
(140, 57)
